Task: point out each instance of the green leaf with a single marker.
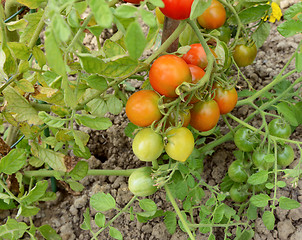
(79, 171)
(251, 14)
(70, 96)
(20, 50)
(35, 193)
(170, 221)
(148, 206)
(48, 232)
(287, 203)
(116, 234)
(39, 56)
(269, 185)
(96, 123)
(245, 235)
(293, 11)
(281, 184)
(290, 28)
(269, 158)
(299, 61)
(115, 105)
(100, 219)
(97, 82)
(157, 3)
(54, 55)
(12, 229)
(288, 113)
(86, 225)
(261, 33)
(268, 219)
(97, 107)
(33, 20)
(75, 186)
(125, 11)
(25, 86)
(73, 19)
(16, 25)
(28, 211)
(129, 129)
(218, 213)
(258, 178)
(60, 28)
(81, 139)
(198, 7)
(6, 205)
(54, 159)
(51, 121)
(102, 202)
(252, 213)
(102, 13)
(7, 62)
(260, 200)
(148, 17)
(31, 3)
(298, 111)
(135, 40)
(13, 161)
(83, 154)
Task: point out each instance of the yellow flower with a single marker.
(276, 13)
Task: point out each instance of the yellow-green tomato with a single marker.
(180, 144)
(147, 145)
(140, 182)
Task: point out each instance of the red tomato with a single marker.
(213, 17)
(134, 1)
(204, 115)
(197, 56)
(167, 73)
(177, 9)
(226, 99)
(142, 108)
(197, 74)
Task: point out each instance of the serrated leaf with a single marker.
(115, 105)
(12, 229)
(54, 159)
(251, 14)
(102, 13)
(79, 171)
(218, 213)
(102, 202)
(258, 178)
(51, 121)
(170, 221)
(148, 205)
(287, 203)
(268, 219)
(97, 107)
(35, 193)
(81, 139)
(83, 154)
(19, 105)
(112, 49)
(28, 211)
(33, 20)
(261, 33)
(290, 28)
(25, 86)
(13, 161)
(49, 233)
(292, 11)
(20, 50)
(135, 40)
(260, 200)
(96, 123)
(285, 110)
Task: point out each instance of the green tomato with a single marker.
(237, 194)
(258, 159)
(147, 145)
(236, 172)
(285, 155)
(244, 55)
(279, 128)
(140, 182)
(246, 140)
(180, 144)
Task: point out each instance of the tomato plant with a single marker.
(258, 158)
(140, 182)
(159, 15)
(204, 115)
(244, 55)
(183, 117)
(213, 17)
(225, 98)
(285, 155)
(167, 73)
(197, 56)
(147, 145)
(279, 128)
(142, 108)
(133, 1)
(180, 143)
(236, 172)
(177, 9)
(238, 194)
(246, 140)
(197, 74)
(225, 34)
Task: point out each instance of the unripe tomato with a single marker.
(246, 140)
(197, 74)
(237, 194)
(177, 9)
(236, 172)
(279, 128)
(258, 158)
(204, 115)
(160, 16)
(167, 73)
(226, 99)
(244, 55)
(140, 182)
(285, 155)
(133, 1)
(180, 144)
(147, 145)
(142, 108)
(213, 17)
(183, 117)
(197, 56)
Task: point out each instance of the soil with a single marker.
(111, 149)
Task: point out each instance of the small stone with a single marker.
(285, 228)
(80, 202)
